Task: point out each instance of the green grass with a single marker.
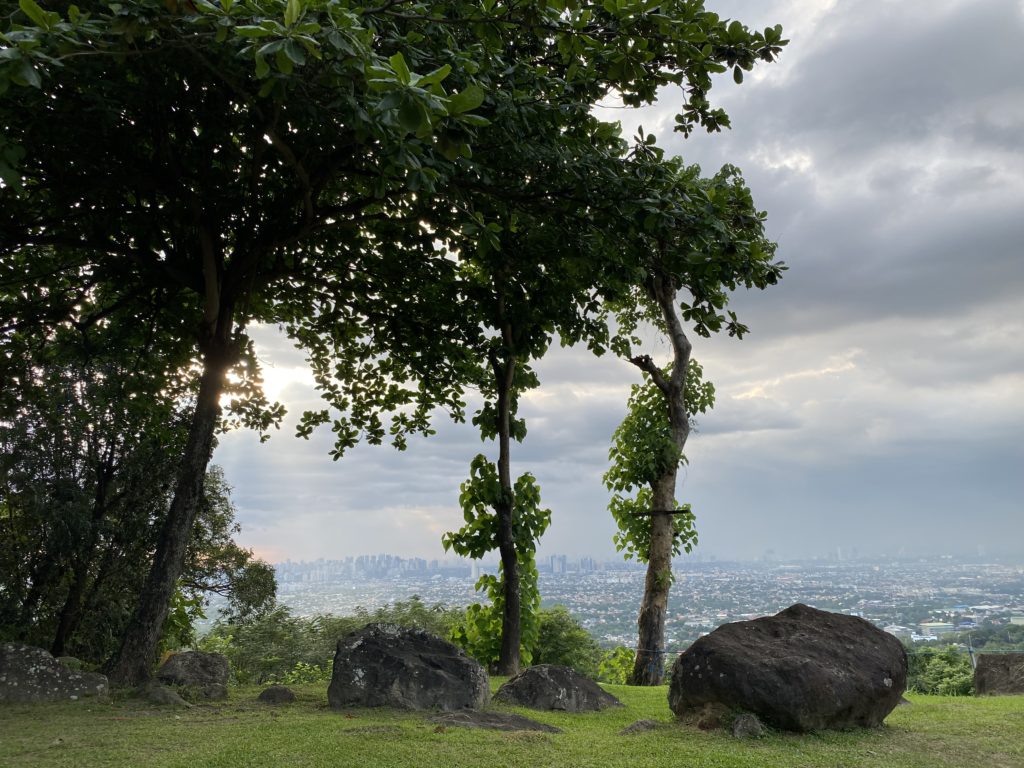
(932, 733)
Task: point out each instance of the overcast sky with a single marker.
(875, 406)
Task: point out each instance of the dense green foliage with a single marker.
(279, 647)
(481, 631)
(940, 671)
(642, 451)
(91, 421)
(562, 640)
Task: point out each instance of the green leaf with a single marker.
(292, 12)
(436, 76)
(284, 62)
(469, 98)
(38, 15)
(401, 68)
(28, 75)
(252, 31)
(295, 52)
(412, 115)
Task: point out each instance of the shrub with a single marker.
(564, 641)
(940, 671)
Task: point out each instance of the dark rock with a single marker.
(70, 662)
(384, 665)
(999, 673)
(196, 676)
(800, 670)
(747, 726)
(30, 674)
(195, 669)
(554, 687)
(494, 721)
(639, 726)
(155, 693)
(277, 694)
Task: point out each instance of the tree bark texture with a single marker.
(511, 620)
(649, 667)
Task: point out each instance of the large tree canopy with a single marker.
(220, 164)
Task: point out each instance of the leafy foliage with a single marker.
(562, 640)
(278, 647)
(940, 671)
(642, 451)
(481, 631)
(616, 665)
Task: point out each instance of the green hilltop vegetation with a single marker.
(933, 732)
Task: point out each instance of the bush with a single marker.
(616, 665)
(940, 671)
(563, 641)
(281, 648)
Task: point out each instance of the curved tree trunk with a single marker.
(133, 663)
(649, 668)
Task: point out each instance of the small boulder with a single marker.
(640, 726)
(30, 674)
(155, 693)
(999, 673)
(554, 687)
(492, 721)
(198, 676)
(747, 726)
(800, 670)
(384, 665)
(277, 694)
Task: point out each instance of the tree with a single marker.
(264, 161)
(703, 238)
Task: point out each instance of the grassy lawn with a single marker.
(932, 733)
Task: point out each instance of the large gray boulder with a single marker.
(30, 674)
(800, 670)
(554, 687)
(384, 665)
(1001, 673)
(196, 675)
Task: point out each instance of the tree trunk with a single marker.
(72, 611)
(649, 668)
(511, 620)
(133, 663)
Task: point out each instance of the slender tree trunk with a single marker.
(511, 620)
(71, 612)
(133, 662)
(649, 668)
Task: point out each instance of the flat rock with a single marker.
(277, 694)
(554, 687)
(155, 693)
(494, 721)
(384, 665)
(640, 726)
(999, 673)
(30, 674)
(800, 670)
